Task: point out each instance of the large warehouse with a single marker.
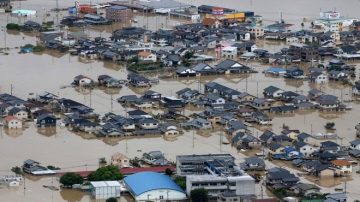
(151, 186)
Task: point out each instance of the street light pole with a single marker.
(4, 30)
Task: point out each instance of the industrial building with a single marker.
(105, 189)
(151, 186)
(119, 14)
(216, 173)
(195, 164)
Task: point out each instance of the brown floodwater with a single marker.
(51, 71)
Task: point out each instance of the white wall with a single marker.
(106, 192)
(155, 195)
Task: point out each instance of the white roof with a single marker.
(229, 48)
(43, 172)
(105, 184)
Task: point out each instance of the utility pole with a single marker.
(57, 12)
(4, 30)
(262, 191)
(220, 142)
(246, 84)
(90, 96)
(111, 104)
(11, 89)
(257, 88)
(193, 139)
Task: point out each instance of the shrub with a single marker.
(70, 179)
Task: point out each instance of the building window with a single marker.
(161, 197)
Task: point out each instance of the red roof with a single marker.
(129, 171)
(159, 169)
(9, 118)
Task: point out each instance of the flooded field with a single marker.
(28, 74)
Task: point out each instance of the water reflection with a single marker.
(71, 195)
(14, 133)
(46, 131)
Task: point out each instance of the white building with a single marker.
(257, 31)
(229, 52)
(120, 160)
(12, 122)
(332, 21)
(147, 56)
(105, 189)
(217, 173)
(242, 185)
(319, 77)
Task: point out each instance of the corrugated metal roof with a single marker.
(147, 181)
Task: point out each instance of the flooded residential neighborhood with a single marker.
(186, 100)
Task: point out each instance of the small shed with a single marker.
(105, 189)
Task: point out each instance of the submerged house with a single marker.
(82, 80)
(138, 80)
(223, 91)
(280, 178)
(12, 122)
(46, 120)
(232, 67)
(272, 92)
(261, 118)
(253, 163)
(294, 72)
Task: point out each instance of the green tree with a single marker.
(17, 170)
(199, 195)
(168, 172)
(181, 181)
(106, 173)
(112, 199)
(188, 55)
(13, 26)
(70, 179)
(134, 60)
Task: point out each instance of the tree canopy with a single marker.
(169, 172)
(106, 173)
(112, 199)
(199, 195)
(70, 179)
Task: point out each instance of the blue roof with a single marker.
(118, 7)
(142, 182)
(275, 69)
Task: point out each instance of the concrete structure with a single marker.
(332, 21)
(241, 185)
(105, 189)
(229, 52)
(257, 31)
(119, 14)
(216, 173)
(151, 186)
(194, 164)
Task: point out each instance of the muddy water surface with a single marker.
(51, 71)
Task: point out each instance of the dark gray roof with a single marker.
(275, 146)
(355, 142)
(271, 89)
